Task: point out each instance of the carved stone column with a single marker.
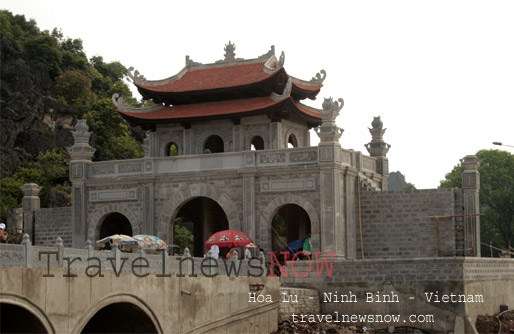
(378, 148)
(81, 153)
(30, 203)
(471, 190)
(333, 231)
(276, 141)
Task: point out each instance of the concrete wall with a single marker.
(218, 304)
(51, 223)
(174, 303)
(395, 223)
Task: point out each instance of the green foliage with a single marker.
(496, 196)
(173, 150)
(50, 171)
(75, 88)
(184, 237)
(45, 49)
(112, 135)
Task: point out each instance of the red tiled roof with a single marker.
(213, 78)
(218, 108)
(307, 87)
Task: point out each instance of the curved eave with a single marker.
(210, 78)
(220, 110)
(252, 89)
(305, 89)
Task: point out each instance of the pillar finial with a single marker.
(81, 150)
(377, 147)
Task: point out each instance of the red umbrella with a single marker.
(228, 238)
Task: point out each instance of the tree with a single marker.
(75, 88)
(112, 136)
(496, 196)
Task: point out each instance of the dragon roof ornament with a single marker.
(122, 105)
(318, 78)
(136, 77)
(331, 109)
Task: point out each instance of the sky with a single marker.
(439, 73)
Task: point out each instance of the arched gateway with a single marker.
(248, 113)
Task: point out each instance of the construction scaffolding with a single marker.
(458, 231)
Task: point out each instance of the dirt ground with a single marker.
(487, 324)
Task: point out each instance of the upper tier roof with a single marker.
(275, 106)
(226, 79)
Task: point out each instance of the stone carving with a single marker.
(331, 109)
(270, 53)
(77, 171)
(136, 77)
(148, 166)
(303, 156)
(130, 168)
(190, 62)
(318, 79)
(113, 195)
(377, 147)
(230, 53)
(119, 102)
(329, 131)
(102, 169)
(281, 61)
(288, 185)
(272, 158)
(81, 149)
(327, 154)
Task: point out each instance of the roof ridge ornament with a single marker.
(268, 54)
(119, 102)
(331, 109)
(318, 79)
(230, 54)
(190, 62)
(286, 93)
(136, 77)
(281, 61)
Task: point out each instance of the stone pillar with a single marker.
(146, 146)
(148, 210)
(249, 206)
(30, 204)
(378, 148)
(332, 219)
(471, 190)
(81, 154)
(188, 142)
(276, 141)
(237, 137)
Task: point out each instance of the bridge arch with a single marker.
(98, 217)
(141, 312)
(266, 218)
(32, 315)
(189, 192)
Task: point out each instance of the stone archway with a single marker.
(274, 206)
(112, 306)
(102, 211)
(14, 307)
(186, 193)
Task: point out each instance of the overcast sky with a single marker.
(439, 73)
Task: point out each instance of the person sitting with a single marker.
(230, 253)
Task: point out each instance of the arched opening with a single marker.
(120, 318)
(290, 223)
(115, 223)
(171, 149)
(214, 144)
(292, 142)
(257, 143)
(197, 220)
(16, 319)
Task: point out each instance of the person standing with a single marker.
(3, 234)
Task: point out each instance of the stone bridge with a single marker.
(64, 290)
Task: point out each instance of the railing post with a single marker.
(60, 251)
(28, 250)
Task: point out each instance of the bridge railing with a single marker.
(140, 264)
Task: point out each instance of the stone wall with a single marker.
(395, 223)
(411, 280)
(52, 223)
(298, 301)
